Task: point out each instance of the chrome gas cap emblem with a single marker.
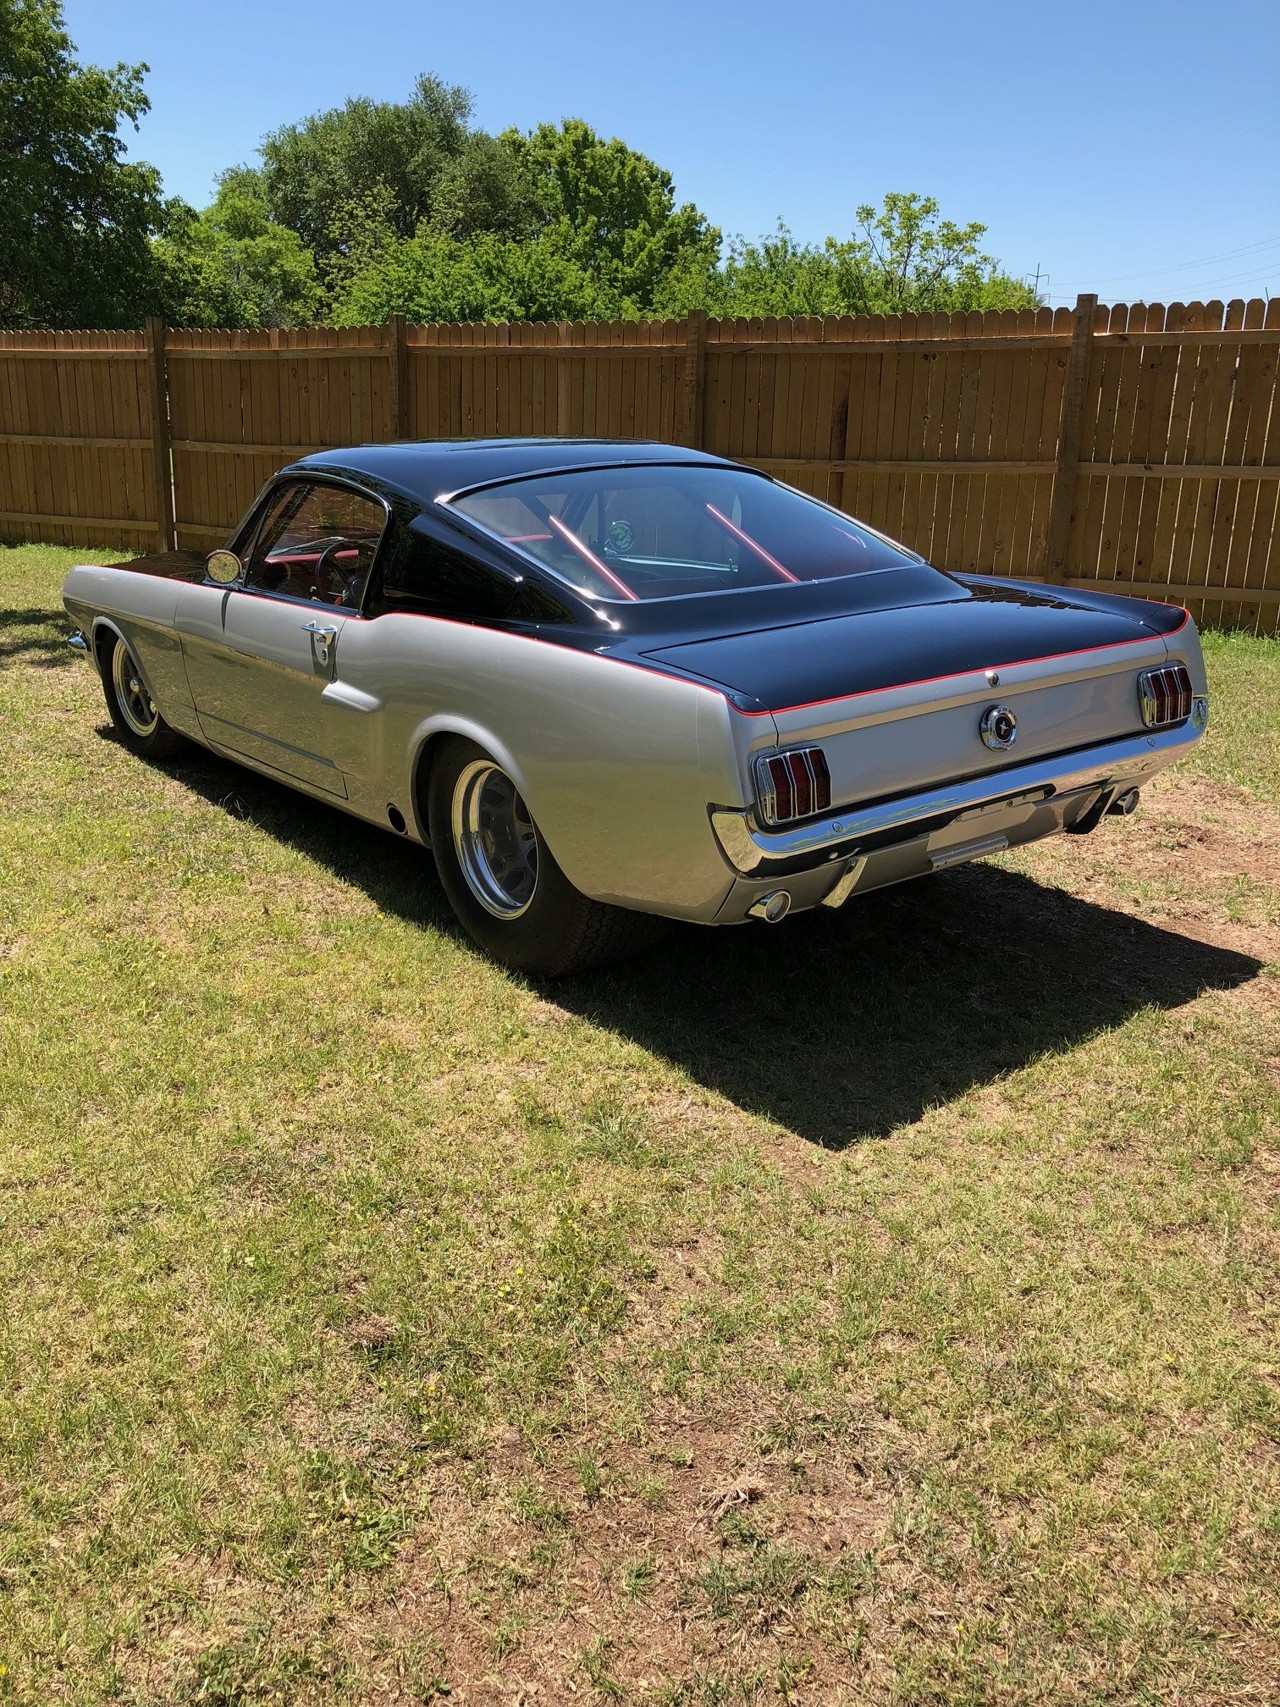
(999, 727)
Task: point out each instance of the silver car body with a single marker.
(643, 781)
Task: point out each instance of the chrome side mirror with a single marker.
(223, 567)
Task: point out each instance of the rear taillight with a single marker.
(1165, 695)
(793, 785)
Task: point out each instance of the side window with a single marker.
(316, 542)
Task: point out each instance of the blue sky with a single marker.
(1131, 148)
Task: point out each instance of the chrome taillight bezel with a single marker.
(792, 785)
(1165, 696)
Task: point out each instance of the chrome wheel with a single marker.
(136, 705)
(494, 839)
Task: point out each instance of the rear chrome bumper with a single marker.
(753, 852)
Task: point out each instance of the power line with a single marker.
(1253, 280)
(1240, 278)
(1184, 266)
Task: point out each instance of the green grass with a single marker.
(880, 1308)
(1245, 676)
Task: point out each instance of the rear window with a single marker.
(659, 533)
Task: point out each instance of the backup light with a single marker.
(1165, 695)
(793, 785)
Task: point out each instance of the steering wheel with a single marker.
(331, 584)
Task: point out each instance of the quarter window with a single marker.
(423, 574)
(316, 542)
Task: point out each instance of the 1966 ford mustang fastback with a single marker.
(606, 681)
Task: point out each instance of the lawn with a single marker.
(881, 1308)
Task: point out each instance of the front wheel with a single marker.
(133, 711)
(502, 880)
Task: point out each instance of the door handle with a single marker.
(323, 634)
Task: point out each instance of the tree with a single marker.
(556, 224)
(233, 266)
(483, 189)
(909, 260)
(774, 276)
(338, 159)
(904, 260)
(612, 212)
(434, 277)
(76, 217)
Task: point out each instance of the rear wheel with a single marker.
(133, 711)
(502, 880)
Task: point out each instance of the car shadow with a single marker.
(35, 636)
(845, 1026)
(838, 1026)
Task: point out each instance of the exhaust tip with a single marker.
(771, 907)
(1124, 804)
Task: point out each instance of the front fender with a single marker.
(101, 630)
(140, 610)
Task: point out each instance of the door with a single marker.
(260, 655)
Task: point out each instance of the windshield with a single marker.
(661, 532)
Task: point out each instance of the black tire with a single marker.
(136, 717)
(552, 929)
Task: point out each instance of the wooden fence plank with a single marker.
(398, 407)
(99, 441)
(645, 377)
(1216, 502)
(877, 424)
(1250, 397)
(1166, 491)
(897, 419)
(1262, 563)
(969, 488)
(855, 380)
(1134, 423)
(809, 333)
(999, 494)
(943, 440)
(1026, 444)
(1069, 431)
(1180, 590)
(1008, 421)
(157, 385)
(1161, 373)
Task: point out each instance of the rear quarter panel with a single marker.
(617, 763)
(1184, 648)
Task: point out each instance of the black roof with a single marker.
(425, 469)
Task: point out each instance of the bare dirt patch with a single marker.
(1201, 854)
(533, 1586)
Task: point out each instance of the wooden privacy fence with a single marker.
(1124, 448)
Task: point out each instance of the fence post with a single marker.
(399, 391)
(695, 368)
(158, 380)
(1064, 475)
